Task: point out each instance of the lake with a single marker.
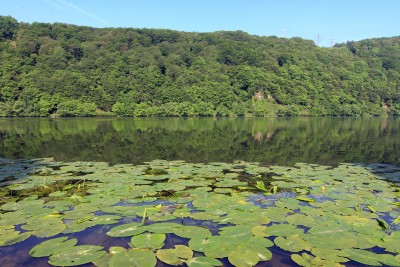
(282, 141)
(199, 191)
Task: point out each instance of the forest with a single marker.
(62, 70)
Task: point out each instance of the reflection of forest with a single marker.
(271, 140)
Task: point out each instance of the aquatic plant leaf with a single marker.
(370, 258)
(22, 187)
(382, 223)
(175, 256)
(203, 216)
(103, 261)
(203, 262)
(288, 203)
(305, 199)
(243, 257)
(116, 250)
(330, 254)
(392, 242)
(292, 243)
(129, 229)
(259, 230)
(237, 233)
(282, 230)
(12, 237)
(148, 240)
(49, 231)
(222, 251)
(330, 242)
(163, 227)
(133, 258)
(52, 246)
(309, 261)
(203, 244)
(300, 219)
(189, 231)
(77, 255)
(256, 241)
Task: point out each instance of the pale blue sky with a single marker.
(332, 20)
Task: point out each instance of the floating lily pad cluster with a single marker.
(241, 212)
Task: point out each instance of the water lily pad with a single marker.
(133, 258)
(52, 246)
(163, 228)
(292, 243)
(148, 240)
(203, 262)
(77, 255)
(12, 237)
(282, 230)
(45, 226)
(116, 250)
(243, 257)
(203, 244)
(203, 216)
(189, 231)
(370, 258)
(175, 256)
(309, 261)
(330, 254)
(128, 229)
(300, 219)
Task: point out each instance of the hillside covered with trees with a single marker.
(67, 70)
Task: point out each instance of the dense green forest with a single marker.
(67, 70)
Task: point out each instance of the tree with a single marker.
(8, 28)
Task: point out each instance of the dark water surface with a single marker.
(282, 141)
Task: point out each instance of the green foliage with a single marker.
(8, 27)
(70, 108)
(46, 69)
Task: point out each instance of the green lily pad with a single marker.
(175, 256)
(77, 255)
(243, 257)
(128, 229)
(148, 240)
(203, 262)
(309, 261)
(300, 219)
(203, 244)
(222, 251)
(370, 258)
(282, 230)
(292, 243)
(133, 258)
(52, 246)
(203, 216)
(189, 231)
(12, 237)
(163, 227)
(330, 254)
(116, 250)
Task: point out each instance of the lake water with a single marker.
(269, 141)
(282, 141)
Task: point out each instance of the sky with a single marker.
(324, 21)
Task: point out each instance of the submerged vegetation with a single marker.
(67, 70)
(198, 214)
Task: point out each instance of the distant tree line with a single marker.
(67, 70)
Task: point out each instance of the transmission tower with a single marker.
(318, 39)
(283, 31)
